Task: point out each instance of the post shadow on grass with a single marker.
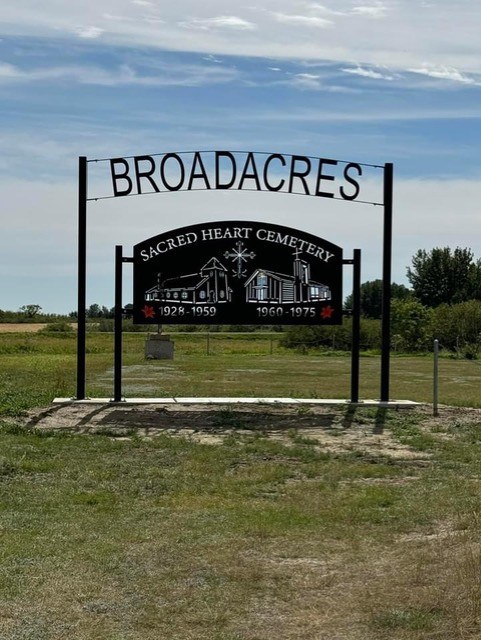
(349, 416)
(379, 418)
(51, 411)
(217, 420)
(95, 412)
(212, 420)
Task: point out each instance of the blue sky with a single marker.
(374, 81)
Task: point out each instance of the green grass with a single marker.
(36, 368)
(252, 538)
(266, 533)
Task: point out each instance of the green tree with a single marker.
(444, 276)
(31, 310)
(94, 311)
(371, 297)
(458, 327)
(411, 328)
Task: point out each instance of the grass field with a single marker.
(36, 368)
(297, 524)
(255, 534)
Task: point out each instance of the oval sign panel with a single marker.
(244, 273)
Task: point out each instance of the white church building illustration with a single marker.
(209, 286)
(265, 286)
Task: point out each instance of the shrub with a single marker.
(458, 327)
(411, 325)
(57, 327)
(338, 337)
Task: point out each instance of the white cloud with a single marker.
(211, 58)
(89, 33)
(320, 8)
(373, 11)
(8, 71)
(444, 73)
(446, 34)
(307, 81)
(307, 21)
(167, 75)
(307, 76)
(367, 73)
(374, 114)
(219, 22)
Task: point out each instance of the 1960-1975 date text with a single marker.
(210, 311)
(277, 311)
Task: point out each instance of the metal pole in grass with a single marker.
(82, 277)
(436, 378)
(386, 282)
(356, 325)
(118, 326)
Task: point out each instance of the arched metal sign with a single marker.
(240, 170)
(237, 272)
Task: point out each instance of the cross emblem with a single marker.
(239, 255)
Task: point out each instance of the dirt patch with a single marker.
(21, 327)
(329, 429)
(25, 327)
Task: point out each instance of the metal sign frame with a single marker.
(120, 313)
(299, 171)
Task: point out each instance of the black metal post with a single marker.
(356, 325)
(82, 277)
(386, 282)
(118, 326)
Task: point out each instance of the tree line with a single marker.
(443, 302)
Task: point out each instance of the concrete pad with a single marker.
(391, 404)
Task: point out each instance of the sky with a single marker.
(357, 80)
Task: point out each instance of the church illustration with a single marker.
(209, 286)
(270, 287)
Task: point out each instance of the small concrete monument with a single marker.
(159, 346)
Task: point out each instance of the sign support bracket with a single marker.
(356, 325)
(119, 313)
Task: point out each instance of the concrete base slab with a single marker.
(391, 404)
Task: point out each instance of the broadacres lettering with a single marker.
(251, 171)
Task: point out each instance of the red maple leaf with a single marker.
(327, 312)
(148, 311)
